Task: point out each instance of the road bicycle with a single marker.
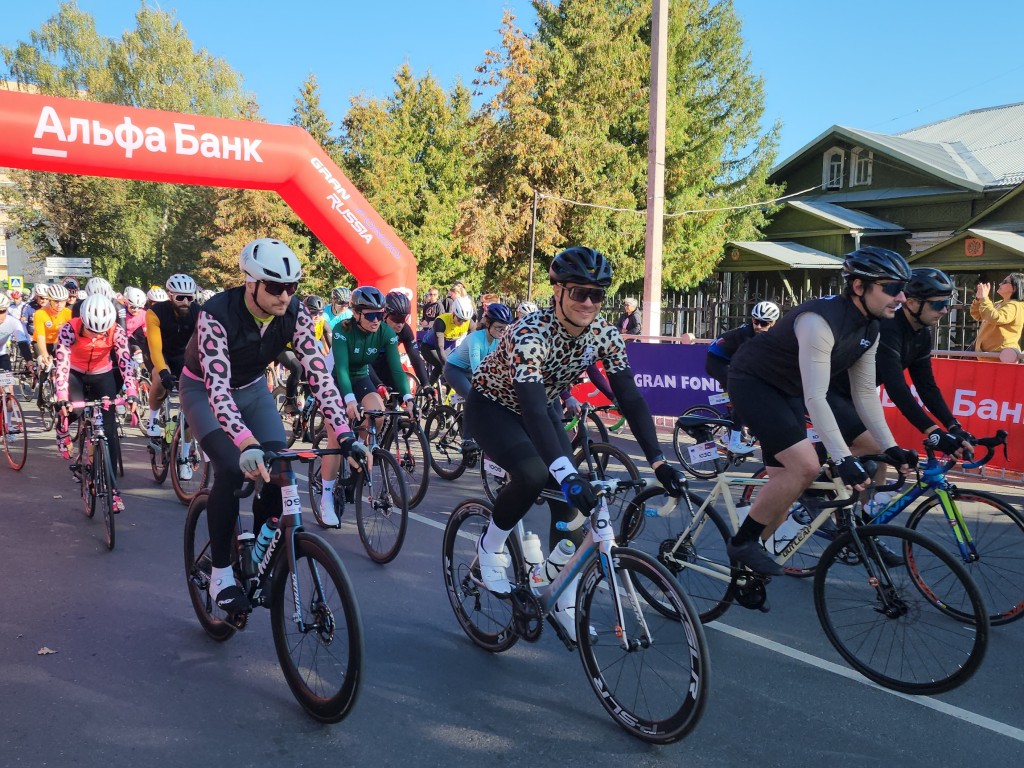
(179, 448)
(305, 423)
(314, 616)
(37, 385)
(700, 439)
(920, 627)
(93, 467)
(13, 431)
(593, 460)
(639, 636)
(378, 493)
(405, 439)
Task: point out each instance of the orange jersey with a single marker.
(48, 324)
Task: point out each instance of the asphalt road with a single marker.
(134, 680)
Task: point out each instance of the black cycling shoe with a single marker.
(755, 557)
(232, 600)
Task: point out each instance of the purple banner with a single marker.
(671, 376)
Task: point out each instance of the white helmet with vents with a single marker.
(271, 260)
(98, 313)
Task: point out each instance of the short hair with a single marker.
(629, 302)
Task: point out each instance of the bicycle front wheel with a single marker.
(410, 449)
(444, 436)
(886, 621)
(662, 527)
(199, 566)
(318, 633)
(103, 489)
(651, 676)
(484, 617)
(996, 532)
(191, 467)
(607, 462)
(382, 508)
(682, 442)
(13, 431)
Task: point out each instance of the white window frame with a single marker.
(828, 178)
(859, 155)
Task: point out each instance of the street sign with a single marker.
(17, 283)
(58, 266)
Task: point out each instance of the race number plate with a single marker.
(290, 500)
(721, 397)
(493, 469)
(6, 379)
(703, 452)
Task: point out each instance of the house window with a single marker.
(861, 161)
(832, 169)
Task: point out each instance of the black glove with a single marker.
(428, 391)
(167, 379)
(852, 471)
(943, 441)
(671, 479)
(961, 434)
(902, 456)
(353, 448)
(579, 493)
(62, 406)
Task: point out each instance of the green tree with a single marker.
(411, 155)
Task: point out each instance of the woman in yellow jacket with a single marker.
(1003, 321)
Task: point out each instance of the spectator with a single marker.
(430, 310)
(630, 319)
(457, 291)
(1002, 321)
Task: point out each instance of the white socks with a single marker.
(494, 538)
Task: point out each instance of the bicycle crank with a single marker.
(527, 614)
(751, 593)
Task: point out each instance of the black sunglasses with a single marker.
(939, 304)
(894, 288)
(276, 289)
(184, 298)
(373, 317)
(762, 323)
(580, 294)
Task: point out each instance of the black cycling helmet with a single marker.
(581, 265)
(498, 313)
(367, 297)
(314, 304)
(71, 284)
(396, 303)
(873, 263)
(926, 282)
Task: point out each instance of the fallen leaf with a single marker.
(44, 651)
(58, 497)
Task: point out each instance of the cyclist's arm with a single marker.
(321, 385)
(395, 365)
(533, 402)
(124, 361)
(889, 364)
(815, 341)
(216, 365)
(439, 331)
(341, 373)
(599, 380)
(62, 361)
(865, 397)
(156, 344)
(928, 390)
(415, 358)
(633, 406)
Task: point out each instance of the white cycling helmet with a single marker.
(526, 307)
(4, 301)
(766, 311)
(268, 259)
(181, 284)
(157, 294)
(98, 286)
(135, 297)
(98, 313)
(57, 292)
(463, 308)
(41, 291)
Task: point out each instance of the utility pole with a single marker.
(651, 325)
(533, 246)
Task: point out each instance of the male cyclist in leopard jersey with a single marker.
(510, 410)
(778, 377)
(169, 326)
(226, 401)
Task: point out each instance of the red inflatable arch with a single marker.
(45, 133)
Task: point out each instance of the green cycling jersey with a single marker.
(355, 349)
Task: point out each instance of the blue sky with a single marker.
(881, 66)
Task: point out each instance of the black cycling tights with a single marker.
(222, 506)
(435, 365)
(289, 360)
(93, 386)
(502, 436)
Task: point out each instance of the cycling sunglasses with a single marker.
(893, 288)
(581, 294)
(762, 323)
(940, 304)
(276, 289)
(372, 317)
(184, 298)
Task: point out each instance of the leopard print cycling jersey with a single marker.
(539, 349)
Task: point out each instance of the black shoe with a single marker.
(889, 557)
(232, 600)
(755, 557)
(348, 487)
(470, 447)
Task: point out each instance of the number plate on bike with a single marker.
(721, 397)
(290, 500)
(602, 526)
(6, 379)
(703, 452)
(493, 469)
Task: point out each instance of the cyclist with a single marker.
(779, 377)
(74, 292)
(135, 315)
(227, 404)
(356, 344)
(83, 370)
(155, 295)
(466, 358)
(525, 308)
(11, 328)
(510, 412)
(448, 329)
(339, 308)
(762, 317)
(99, 286)
(169, 326)
(396, 314)
(48, 322)
(315, 306)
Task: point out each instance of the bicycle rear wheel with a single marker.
(13, 431)
(191, 467)
(103, 485)
(382, 508)
(886, 622)
(411, 451)
(682, 441)
(444, 436)
(594, 425)
(85, 474)
(484, 617)
(997, 532)
(653, 685)
(654, 523)
(48, 411)
(198, 567)
(320, 641)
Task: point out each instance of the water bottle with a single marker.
(560, 555)
(263, 540)
(246, 563)
(878, 503)
(169, 429)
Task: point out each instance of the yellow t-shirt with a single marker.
(48, 325)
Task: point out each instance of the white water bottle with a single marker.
(560, 555)
(878, 502)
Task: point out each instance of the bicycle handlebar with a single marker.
(601, 488)
(989, 444)
(305, 455)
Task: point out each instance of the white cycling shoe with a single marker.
(494, 569)
(327, 514)
(565, 609)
